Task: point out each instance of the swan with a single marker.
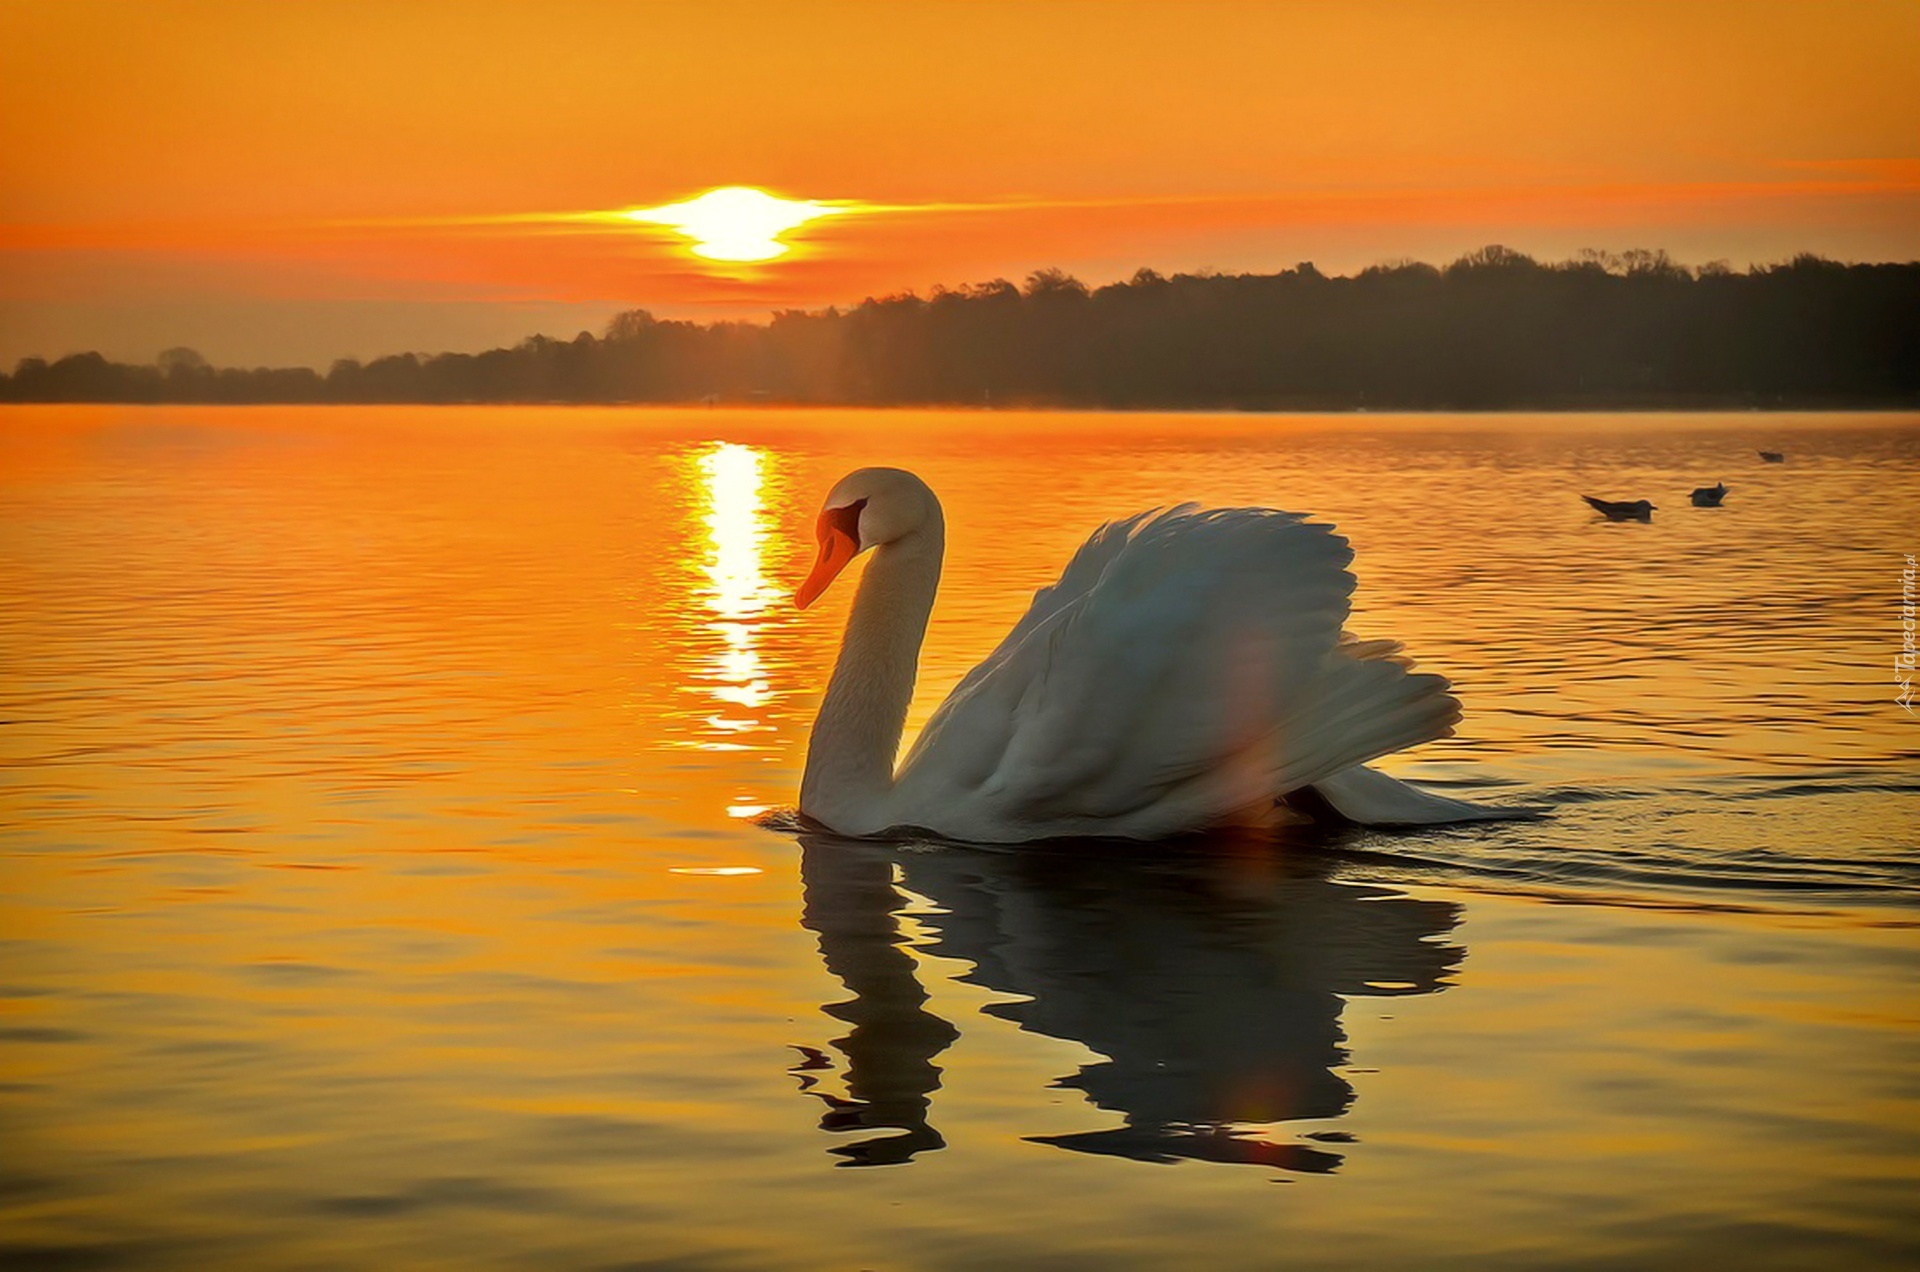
(1188, 670)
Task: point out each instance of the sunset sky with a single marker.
(291, 183)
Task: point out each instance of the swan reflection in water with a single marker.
(1211, 979)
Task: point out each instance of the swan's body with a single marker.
(1188, 669)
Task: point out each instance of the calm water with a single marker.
(381, 886)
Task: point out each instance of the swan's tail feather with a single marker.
(1367, 705)
(1372, 798)
(1363, 708)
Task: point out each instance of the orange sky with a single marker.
(285, 182)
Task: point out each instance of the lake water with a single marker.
(382, 886)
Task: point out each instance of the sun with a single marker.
(735, 223)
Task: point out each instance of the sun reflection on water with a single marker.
(737, 590)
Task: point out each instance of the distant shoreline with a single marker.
(1495, 330)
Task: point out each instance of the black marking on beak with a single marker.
(846, 520)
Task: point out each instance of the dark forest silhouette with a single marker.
(1494, 329)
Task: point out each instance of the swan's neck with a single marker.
(856, 736)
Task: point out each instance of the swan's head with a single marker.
(866, 508)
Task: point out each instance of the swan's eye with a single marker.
(846, 520)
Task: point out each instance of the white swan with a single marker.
(1188, 669)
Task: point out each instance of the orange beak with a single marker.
(837, 547)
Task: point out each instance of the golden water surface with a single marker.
(382, 885)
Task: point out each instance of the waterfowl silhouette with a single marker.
(1617, 510)
(1710, 496)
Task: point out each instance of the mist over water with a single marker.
(382, 882)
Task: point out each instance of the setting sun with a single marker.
(735, 223)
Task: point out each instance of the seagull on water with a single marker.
(1710, 496)
(1620, 510)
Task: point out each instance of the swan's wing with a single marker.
(1187, 664)
(1089, 562)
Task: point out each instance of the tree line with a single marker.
(1495, 329)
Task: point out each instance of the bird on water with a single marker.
(1621, 510)
(1187, 670)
